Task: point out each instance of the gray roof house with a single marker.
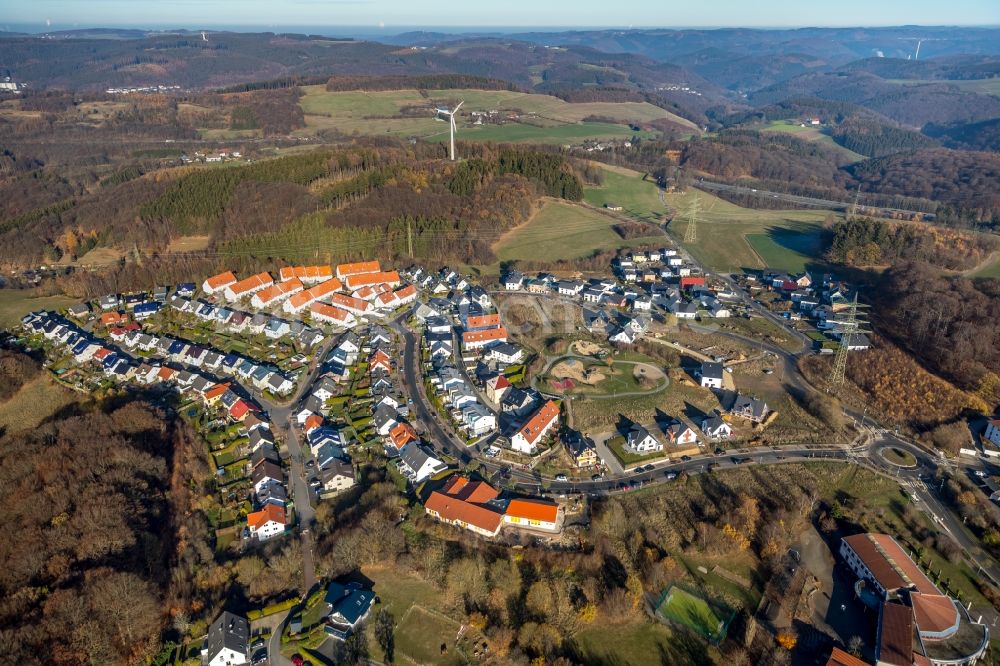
(228, 641)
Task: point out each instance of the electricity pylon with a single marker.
(850, 326)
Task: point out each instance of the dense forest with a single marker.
(984, 135)
(16, 369)
(949, 324)
(874, 139)
(866, 242)
(84, 581)
(966, 182)
(779, 157)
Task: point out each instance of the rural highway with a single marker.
(802, 200)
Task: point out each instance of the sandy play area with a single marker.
(585, 348)
(575, 370)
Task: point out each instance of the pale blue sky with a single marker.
(392, 14)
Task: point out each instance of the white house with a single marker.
(228, 641)
(640, 440)
(418, 464)
(534, 430)
(716, 428)
(710, 375)
(267, 523)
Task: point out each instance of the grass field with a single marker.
(788, 249)
(694, 612)
(15, 303)
(731, 238)
(380, 112)
(990, 270)
(810, 133)
(562, 231)
(633, 644)
(33, 403)
(638, 197)
(419, 633)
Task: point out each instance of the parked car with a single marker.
(561, 477)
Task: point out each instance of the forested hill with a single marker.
(912, 105)
(346, 202)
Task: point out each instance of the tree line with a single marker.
(867, 242)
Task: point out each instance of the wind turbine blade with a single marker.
(459, 106)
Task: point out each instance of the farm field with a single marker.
(789, 238)
(639, 198)
(15, 303)
(810, 133)
(562, 231)
(381, 112)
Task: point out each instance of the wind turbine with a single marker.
(451, 123)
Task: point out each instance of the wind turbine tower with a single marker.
(451, 125)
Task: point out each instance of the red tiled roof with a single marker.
(483, 321)
(453, 509)
(489, 334)
(889, 563)
(539, 421)
(306, 272)
(896, 635)
(343, 270)
(530, 509)
(934, 612)
(262, 279)
(267, 513)
(216, 391)
(362, 279)
(239, 409)
(278, 290)
(405, 292)
(469, 491)
(221, 280)
(307, 296)
(328, 311)
(840, 658)
(109, 318)
(312, 422)
(166, 373)
(350, 303)
(402, 434)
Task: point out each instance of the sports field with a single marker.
(411, 113)
(693, 612)
(563, 231)
(731, 238)
(639, 198)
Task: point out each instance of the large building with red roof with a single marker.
(467, 504)
(917, 623)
